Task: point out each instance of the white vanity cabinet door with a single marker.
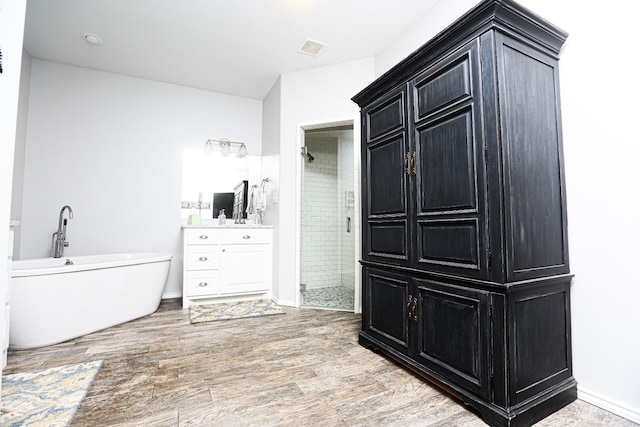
(245, 268)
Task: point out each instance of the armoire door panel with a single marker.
(533, 166)
(388, 239)
(446, 165)
(452, 243)
(443, 87)
(386, 118)
(454, 330)
(387, 177)
(387, 296)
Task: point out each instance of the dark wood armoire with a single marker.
(465, 259)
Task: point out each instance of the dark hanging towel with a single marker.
(0, 60)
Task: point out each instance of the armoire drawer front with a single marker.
(203, 283)
(246, 236)
(203, 257)
(204, 236)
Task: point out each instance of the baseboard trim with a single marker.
(170, 295)
(284, 302)
(632, 414)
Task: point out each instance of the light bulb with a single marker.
(225, 145)
(242, 151)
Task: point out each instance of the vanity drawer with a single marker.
(203, 257)
(246, 236)
(202, 236)
(203, 283)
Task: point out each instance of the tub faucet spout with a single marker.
(59, 238)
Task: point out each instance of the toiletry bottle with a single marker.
(222, 218)
(194, 218)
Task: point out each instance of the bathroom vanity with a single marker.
(226, 263)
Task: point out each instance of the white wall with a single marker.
(320, 95)
(19, 153)
(599, 95)
(442, 14)
(12, 14)
(271, 119)
(110, 146)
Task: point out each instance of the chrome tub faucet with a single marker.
(59, 238)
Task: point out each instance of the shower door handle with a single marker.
(348, 224)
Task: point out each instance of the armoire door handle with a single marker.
(407, 161)
(413, 163)
(414, 311)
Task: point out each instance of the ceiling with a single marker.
(238, 47)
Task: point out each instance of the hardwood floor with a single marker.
(303, 368)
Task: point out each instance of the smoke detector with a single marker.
(311, 47)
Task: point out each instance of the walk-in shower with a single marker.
(328, 237)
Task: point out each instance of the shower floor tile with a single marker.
(334, 297)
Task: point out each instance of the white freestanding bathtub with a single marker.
(52, 302)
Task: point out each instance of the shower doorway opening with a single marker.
(329, 230)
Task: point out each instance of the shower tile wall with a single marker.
(320, 217)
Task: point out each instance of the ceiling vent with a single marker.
(311, 47)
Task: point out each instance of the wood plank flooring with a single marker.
(303, 368)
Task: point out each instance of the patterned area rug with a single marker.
(46, 398)
(233, 310)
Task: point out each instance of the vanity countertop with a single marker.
(229, 226)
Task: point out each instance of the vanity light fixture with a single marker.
(225, 147)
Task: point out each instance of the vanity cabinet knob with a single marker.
(204, 236)
(246, 236)
(203, 284)
(203, 258)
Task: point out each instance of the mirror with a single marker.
(240, 194)
(206, 173)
